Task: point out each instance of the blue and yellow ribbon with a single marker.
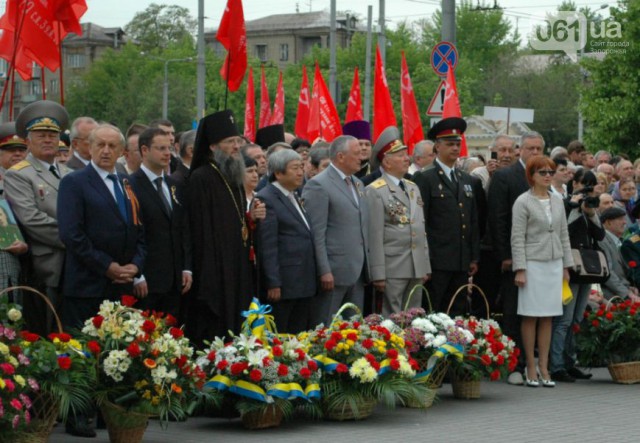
(258, 320)
(325, 363)
(447, 349)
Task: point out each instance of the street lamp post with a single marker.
(165, 86)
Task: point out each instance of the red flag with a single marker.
(302, 117)
(233, 36)
(69, 12)
(23, 63)
(323, 117)
(451, 105)
(37, 31)
(383, 115)
(277, 117)
(411, 124)
(354, 106)
(265, 103)
(250, 110)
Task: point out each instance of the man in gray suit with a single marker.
(399, 251)
(31, 187)
(339, 220)
(614, 221)
(79, 136)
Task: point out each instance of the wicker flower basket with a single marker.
(625, 373)
(434, 382)
(268, 417)
(465, 387)
(344, 411)
(124, 426)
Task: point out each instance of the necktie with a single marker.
(403, 187)
(54, 171)
(163, 198)
(350, 186)
(119, 195)
(452, 176)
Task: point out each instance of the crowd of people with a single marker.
(196, 224)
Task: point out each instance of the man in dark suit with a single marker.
(167, 271)
(187, 142)
(286, 252)
(101, 228)
(507, 184)
(451, 217)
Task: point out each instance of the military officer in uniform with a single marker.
(31, 186)
(399, 254)
(450, 215)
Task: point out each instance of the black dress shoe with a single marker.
(80, 431)
(562, 376)
(578, 374)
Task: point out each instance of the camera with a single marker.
(589, 202)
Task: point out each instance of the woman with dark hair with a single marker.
(541, 259)
(251, 179)
(585, 231)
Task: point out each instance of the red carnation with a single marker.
(336, 336)
(276, 341)
(93, 347)
(176, 333)
(128, 300)
(485, 360)
(342, 368)
(7, 368)
(301, 354)
(305, 373)
(311, 364)
(395, 364)
(343, 325)
(148, 326)
(595, 323)
(63, 337)
(414, 364)
(64, 362)
(356, 324)
(632, 264)
(237, 368)
(29, 336)
(495, 375)
(375, 365)
(329, 345)
(500, 360)
(370, 357)
(211, 356)
(392, 353)
(609, 316)
(600, 313)
(134, 350)
(283, 370)
(575, 328)
(170, 320)
(222, 365)
(266, 361)
(97, 321)
(352, 336)
(367, 343)
(255, 375)
(181, 361)
(277, 351)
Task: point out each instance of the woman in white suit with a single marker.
(541, 259)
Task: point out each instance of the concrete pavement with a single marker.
(596, 410)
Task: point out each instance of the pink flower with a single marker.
(10, 385)
(33, 384)
(16, 404)
(16, 421)
(26, 401)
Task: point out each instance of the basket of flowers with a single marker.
(490, 354)
(431, 339)
(64, 372)
(362, 364)
(265, 376)
(611, 335)
(145, 368)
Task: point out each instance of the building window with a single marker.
(34, 88)
(54, 85)
(76, 60)
(284, 52)
(261, 52)
(3, 68)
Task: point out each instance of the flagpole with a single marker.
(5, 87)
(11, 94)
(226, 83)
(12, 66)
(61, 75)
(43, 83)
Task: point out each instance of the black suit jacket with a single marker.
(285, 248)
(507, 184)
(167, 236)
(180, 174)
(451, 219)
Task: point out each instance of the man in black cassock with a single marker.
(220, 230)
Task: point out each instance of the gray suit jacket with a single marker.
(532, 238)
(74, 163)
(617, 283)
(397, 239)
(33, 193)
(340, 226)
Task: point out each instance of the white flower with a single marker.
(254, 358)
(424, 325)
(14, 314)
(439, 341)
(388, 324)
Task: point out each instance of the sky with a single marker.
(522, 14)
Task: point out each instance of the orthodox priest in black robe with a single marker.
(222, 274)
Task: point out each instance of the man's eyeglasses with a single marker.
(544, 172)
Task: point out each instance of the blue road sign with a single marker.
(442, 53)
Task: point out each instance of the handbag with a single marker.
(590, 266)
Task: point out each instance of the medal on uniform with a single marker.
(245, 233)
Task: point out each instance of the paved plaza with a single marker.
(597, 410)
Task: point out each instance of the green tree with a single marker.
(158, 26)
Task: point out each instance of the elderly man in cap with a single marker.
(31, 186)
(450, 215)
(398, 249)
(220, 230)
(339, 219)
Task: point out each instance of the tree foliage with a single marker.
(160, 25)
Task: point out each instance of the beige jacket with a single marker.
(533, 238)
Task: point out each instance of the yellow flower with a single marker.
(146, 395)
(141, 384)
(2, 384)
(350, 343)
(155, 401)
(4, 349)
(20, 380)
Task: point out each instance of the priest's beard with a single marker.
(232, 168)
